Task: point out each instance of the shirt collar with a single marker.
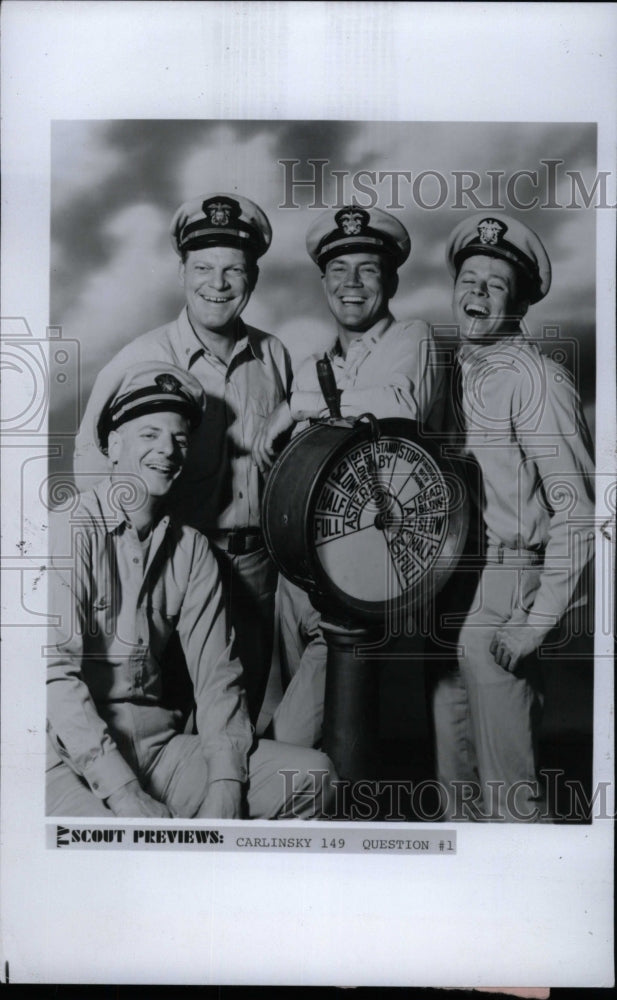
(369, 338)
(472, 353)
(191, 347)
(110, 495)
(254, 342)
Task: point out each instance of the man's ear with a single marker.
(114, 447)
(391, 283)
(253, 276)
(181, 269)
(521, 295)
(521, 305)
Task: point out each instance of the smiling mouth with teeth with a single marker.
(218, 301)
(477, 312)
(164, 469)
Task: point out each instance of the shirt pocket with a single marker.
(528, 583)
(264, 397)
(102, 626)
(164, 609)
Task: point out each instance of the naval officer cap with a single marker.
(506, 238)
(357, 230)
(152, 387)
(221, 220)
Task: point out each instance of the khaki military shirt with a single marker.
(117, 602)
(220, 487)
(390, 371)
(524, 426)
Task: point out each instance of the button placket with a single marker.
(239, 475)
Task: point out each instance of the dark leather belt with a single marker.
(238, 541)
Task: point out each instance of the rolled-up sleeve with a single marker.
(306, 399)
(75, 729)
(221, 712)
(409, 380)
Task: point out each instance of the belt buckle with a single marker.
(236, 543)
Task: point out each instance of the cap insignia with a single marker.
(168, 383)
(221, 213)
(490, 231)
(352, 221)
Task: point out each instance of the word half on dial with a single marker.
(381, 519)
(364, 516)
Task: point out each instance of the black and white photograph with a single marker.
(449, 604)
(310, 485)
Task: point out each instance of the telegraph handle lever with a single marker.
(327, 384)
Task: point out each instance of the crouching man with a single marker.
(125, 577)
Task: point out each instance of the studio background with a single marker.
(114, 275)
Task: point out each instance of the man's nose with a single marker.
(480, 288)
(353, 278)
(218, 278)
(166, 444)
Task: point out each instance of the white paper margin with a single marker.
(520, 906)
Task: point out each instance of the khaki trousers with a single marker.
(298, 718)
(171, 767)
(486, 719)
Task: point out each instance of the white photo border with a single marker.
(526, 905)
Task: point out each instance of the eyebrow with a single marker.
(345, 263)
(491, 274)
(209, 263)
(157, 427)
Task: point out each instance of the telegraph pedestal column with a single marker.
(369, 519)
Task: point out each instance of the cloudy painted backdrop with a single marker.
(116, 184)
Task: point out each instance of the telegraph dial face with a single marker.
(363, 518)
(380, 519)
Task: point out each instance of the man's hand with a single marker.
(223, 801)
(264, 450)
(131, 800)
(514, 640)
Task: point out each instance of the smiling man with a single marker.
(518, 422)
(381, 366)
(126, 577)
(245, 374)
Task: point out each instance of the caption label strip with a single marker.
(253, 838)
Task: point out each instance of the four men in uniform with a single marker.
(110, 737)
